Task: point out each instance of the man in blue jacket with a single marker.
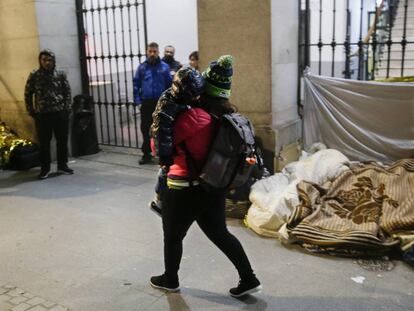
(150, 81)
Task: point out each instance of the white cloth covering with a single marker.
(274, 198)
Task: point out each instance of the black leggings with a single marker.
(180, 208)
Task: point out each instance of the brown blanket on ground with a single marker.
(364, 209)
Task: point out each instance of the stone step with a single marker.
(401, 27)
(400, 20)
(396, 45)
(398, 32)
(400, 23)
(410, 9)
(396, 63)
(410, 6)
(397, 37)
(394, 72)
(400, 15)
(397, 54)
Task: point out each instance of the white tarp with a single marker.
(364, 120)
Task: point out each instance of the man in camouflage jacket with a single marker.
(48, 101)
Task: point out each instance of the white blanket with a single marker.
(274, 198)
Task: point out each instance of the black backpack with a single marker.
(231, 156)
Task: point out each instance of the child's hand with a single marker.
(166, 161)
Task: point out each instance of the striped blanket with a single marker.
(364, 210)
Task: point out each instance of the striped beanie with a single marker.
(218, 77)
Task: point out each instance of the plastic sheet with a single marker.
(364, 120)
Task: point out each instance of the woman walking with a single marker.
(185, 201)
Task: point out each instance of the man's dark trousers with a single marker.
(56, 123)
(147, 108)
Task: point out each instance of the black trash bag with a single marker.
(24, 157)
(408, 256)
(84, 136)
(237, 199)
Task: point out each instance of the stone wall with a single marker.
(26, 27)
(19, 47)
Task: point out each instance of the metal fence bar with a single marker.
(95, 57)
(333, 43)
(134, 107)
(389, 41)
(320, 44)
(374, 41)
(102, 58)
(117, 70)
(110, 57)
(347, 43)
(404, 38)
(361, 45)
(82, 47)
(124, 56)
(88, 51)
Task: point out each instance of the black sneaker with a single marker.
(161, 282)
(156, 207)
(146, 159)
(44, 173)
(246, 287)
(65, 170)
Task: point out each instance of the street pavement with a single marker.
(89, 242)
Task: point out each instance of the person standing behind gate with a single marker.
(48, 101)
(151, 79)
(169, 52)
(193, 60)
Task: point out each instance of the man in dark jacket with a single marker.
(151, 79)
(169, 52)
(48, 101)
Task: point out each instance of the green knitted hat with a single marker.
(218, 77)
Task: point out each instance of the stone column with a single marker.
(285, 119)
(19, 48)
(242, 29)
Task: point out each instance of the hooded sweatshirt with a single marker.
(47, 91)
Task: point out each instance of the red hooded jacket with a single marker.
(195, 128)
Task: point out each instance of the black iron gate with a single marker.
(112, 42)
(357, 39)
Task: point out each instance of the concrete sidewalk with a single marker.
(89, 242)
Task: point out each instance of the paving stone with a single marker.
(13, 293)
(35, 301)
(21, 307)
(4, 298)
(38, 308)
(9, 286)
(28, 295)
(5, 306)
(17, 300)
(48, 304)
(58, 308)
